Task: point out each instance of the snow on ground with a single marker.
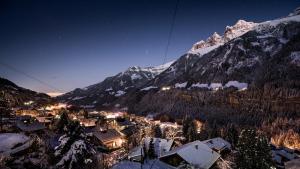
(135, 76)
(295, 56)
(202, 51)
(240, 86)
(148, 88)
(215, 86)
(160, 68)
(148, 164)
(9, 140)
(109, 89)
(200, 85)
(255, 44)
(78, 98)
(119, 93)
(180, 85)
(275, 22)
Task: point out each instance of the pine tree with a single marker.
(232, 135)
(157, 132)
(263, 155)
(214, 130)
(151, 150)
(74, 150)
(192, 132)
(254, 151)
(63, 122)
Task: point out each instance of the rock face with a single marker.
(17, 95)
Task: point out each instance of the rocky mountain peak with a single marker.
(230, 32)
(238, 29)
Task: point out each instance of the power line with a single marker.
(171, 31)
(30, 76)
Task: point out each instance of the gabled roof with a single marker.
(160, 145)
(217, 144)
(128, 131)
(109, 135)
(195, 153)
(124, 123)
(30, 127)
(135, 152)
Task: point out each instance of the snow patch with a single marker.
(109, 89)
(295, 56)
(240, 86)
(200, 85)
(135, 76)
(119, 93)
(180, 85)
(148, 88)
(78, 98)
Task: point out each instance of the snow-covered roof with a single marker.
(160, 145)
(217, 144)
(30, 127)
(137, 151)
(110, 134)
(8, 142)
(195, 153)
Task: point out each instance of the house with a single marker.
(161, 146)
(218, 144)
(30, 125)
(129, 131)
(195, 153)
(121, 124)
(88, 122)
(46, 120)
(110, 138)
(283, 155)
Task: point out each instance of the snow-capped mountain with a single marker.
(231, 32)
(235, 56)
(259, 59)
(111, 88)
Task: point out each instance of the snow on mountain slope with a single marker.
(113, 87)
(235, 56)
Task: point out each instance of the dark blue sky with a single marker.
(70, 44)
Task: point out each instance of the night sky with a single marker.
(70, 44)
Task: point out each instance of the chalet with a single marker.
(46, 120)
(110, 138)
(195, 153)
(218, 144)
(122, 124)
(30, 125)
(129, 131)
(88, 122)
(283, 155)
